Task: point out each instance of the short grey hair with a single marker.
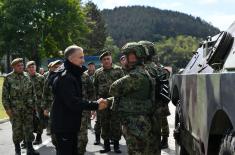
(71, 50)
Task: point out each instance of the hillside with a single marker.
(148, 23)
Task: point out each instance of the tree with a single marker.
(135, 23)
(36, 29)
(176, 51)
(96, 38)
(109, 45)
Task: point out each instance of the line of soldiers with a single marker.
(135, 92)
(23, 99)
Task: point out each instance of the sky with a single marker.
(220, 13)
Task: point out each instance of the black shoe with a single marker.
(97, 139)
(38, 140)
(17, 149)
(106, 147)
(116, 146)
(30, 149)
(164, 143)
(111, 142)
(48, 133)
(23, 145)
(48, 130)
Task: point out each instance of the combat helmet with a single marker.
(149, 48)
(134, 47)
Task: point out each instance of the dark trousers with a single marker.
(67, 143)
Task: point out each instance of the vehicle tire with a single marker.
(227, 146)
(221, 48)
(179, 149)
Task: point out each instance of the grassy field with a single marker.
(2, 111)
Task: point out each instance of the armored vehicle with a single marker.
(204, 95)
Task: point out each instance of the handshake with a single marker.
(103, 104)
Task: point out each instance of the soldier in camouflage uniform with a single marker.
(91, 71)
(110, 123)
(48, 96)
(160, 75)
(97, 127)
(134, 102)
(47, 90)
(88, 94)
(37, 81)
(165, 111)
(17, 98)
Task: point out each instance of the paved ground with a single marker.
(6, 146)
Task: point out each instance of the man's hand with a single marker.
(102, 103)
(93, 115)
(9, 113)
(46, 113)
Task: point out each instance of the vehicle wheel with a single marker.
(227, 146)
(179, 149)
(221, 48)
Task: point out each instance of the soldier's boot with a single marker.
(48, 130)
(97, 139)
(164, 142)
(17, 149)
(30, 149)
(116, 146)
(111, 142)
(38, 139)
(23, 145)
(106, 147)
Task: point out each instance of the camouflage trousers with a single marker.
(137, 131)
(39, 121)
(22, 126)
(83, 134)
(164, 127)
(97, 126)
(110, 125)
(155, 142)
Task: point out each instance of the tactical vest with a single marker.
(137, 102)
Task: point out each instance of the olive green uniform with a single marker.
(110, 123)
(133, 100)
(17, 95)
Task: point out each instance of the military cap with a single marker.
(91, 63)
(134, 47)
(16, 61)
(106, 53)
(30, 63)
(56, 62)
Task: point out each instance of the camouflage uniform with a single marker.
(88, 94)
(17, 96)
(110, 123)
(38, 81)
(154, 73)
(164, 75)
(132, 100)
(161, 93)
(47, 102)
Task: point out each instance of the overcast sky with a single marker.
(220, 13)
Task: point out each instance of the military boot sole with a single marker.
(105, 151)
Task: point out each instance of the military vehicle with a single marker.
(204, 95)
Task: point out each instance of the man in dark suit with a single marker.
(68, 104)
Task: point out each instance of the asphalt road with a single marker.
(46, 148)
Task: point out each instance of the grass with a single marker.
(2, 111)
